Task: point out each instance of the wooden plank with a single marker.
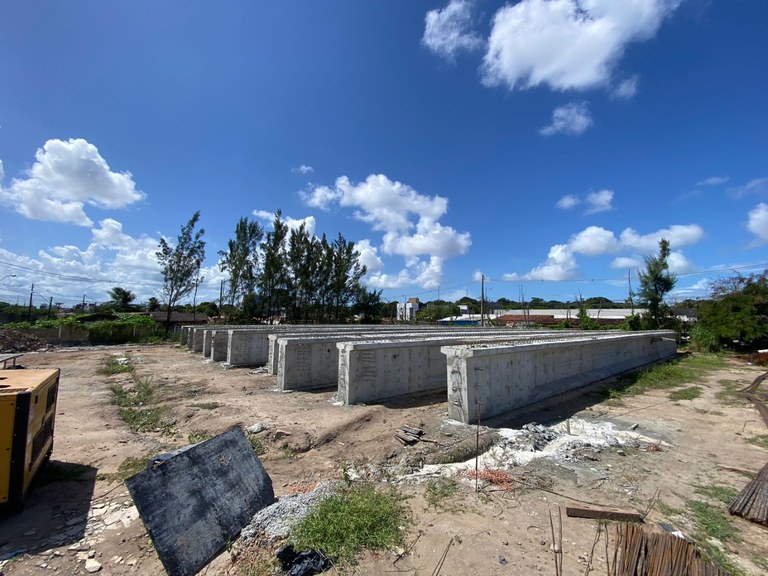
(573, 512)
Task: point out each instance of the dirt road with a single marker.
(627, 453)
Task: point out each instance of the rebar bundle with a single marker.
(637, 553)
(752, 502)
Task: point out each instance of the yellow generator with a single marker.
(27, 413)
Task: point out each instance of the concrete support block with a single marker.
(219, 345)
(196, 341)
(501, 378)
(207, 339)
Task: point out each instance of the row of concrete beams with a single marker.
(247, 345)
(491, 379)
(370, 364)
(303, 362)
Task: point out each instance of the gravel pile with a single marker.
(275, 521)
(16, 341)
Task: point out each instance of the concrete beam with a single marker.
(499, 378)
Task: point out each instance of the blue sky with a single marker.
(546, 144)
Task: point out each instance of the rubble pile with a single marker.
(17, 341)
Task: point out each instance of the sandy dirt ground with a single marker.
(639, 453)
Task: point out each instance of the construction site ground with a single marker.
(661, 457)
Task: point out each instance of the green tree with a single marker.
(655, 283)
(738, 310)
(121, 298)
(436, 310)
(303, 262)
(181, 263)
(153, 304)
(367, 305)
(346, 273)
(273, 279)
(241, 259)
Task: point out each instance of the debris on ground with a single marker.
(276, 520)
(304, 563)
(18, 341)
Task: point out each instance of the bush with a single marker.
(703, 340)
(359, 517)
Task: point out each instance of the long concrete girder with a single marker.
(490, 379)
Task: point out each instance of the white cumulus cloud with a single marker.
(758, 222)
(572, 118)
(303, 169)
(626, 89)
(67, 176)
(678, 235)
(626, 262)
(566, 44)
(567, 202)
(447, 31)
(559, 265)
(596, 241)
(599, 201)
(408, 220)
(593, 241)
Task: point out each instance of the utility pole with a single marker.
(50, 306)
(482, 299)
(82, 309)
(631, 301)
(29, 312)
(221, 297)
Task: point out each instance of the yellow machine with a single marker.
(27, 414)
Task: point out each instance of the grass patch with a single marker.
(721, 559)
(668, 375)
(729, 395)
(117, 365)
(133, 401)
(759, 440)
(198, 436)
(147, 420)
(257, 445)
(760, 562)
(712, 522)
(140, 394)
(689, 393)
(358, 518)
(724, 494)
(441, 490)
(667, 510)
(128, 467)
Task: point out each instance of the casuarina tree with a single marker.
(181, 263)
(656, 282)
(241, 259)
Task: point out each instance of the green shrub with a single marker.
(360, 517)
(703, 340)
